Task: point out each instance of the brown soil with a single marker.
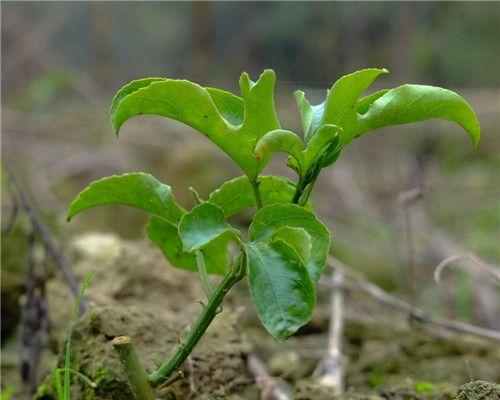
(134, 292)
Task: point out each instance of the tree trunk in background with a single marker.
(202, 39)
(402, 42)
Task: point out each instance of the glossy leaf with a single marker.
(230, 106)
(234, 124)
(237, 195)
(280, 286)
(323, 147)
(365, 103)
(339, 108)
(278, 140)
(306, 112)
(203, 224)
(298, 238)
(137, 190)
(413, 103)
(166, 237)
(269, 219)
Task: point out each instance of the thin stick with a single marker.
(137, 375)
(417, 314)
(406, 199)
(476, 261)
(268, 385)
(46, 238)
(330, 370)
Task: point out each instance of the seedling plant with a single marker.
(287, 246)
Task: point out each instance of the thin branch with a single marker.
(330, 371)
(45, 237)
(476, 261)
(406, 199)
(34, 322)
(12, 217)
(269, 386)
(417, 314)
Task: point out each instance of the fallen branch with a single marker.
(45, 237)
(269, 386)
(34, 322)
(417, 314)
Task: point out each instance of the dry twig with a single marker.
(45, 237)
(34, 322)
(269, 386)
(417, 314)
(330, 369)
(476, 261)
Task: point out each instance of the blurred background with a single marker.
(63, 62)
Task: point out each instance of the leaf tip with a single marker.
(268, 74)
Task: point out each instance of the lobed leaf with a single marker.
(137, 190)
(166, 237)
(270, 219)
(339, 108)
(234, 124)
(281, 288)
(306, 112)
(230, 106)
(412, 103)
(203, 224)
(401, 105)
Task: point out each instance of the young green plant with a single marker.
(287, 245)
(63, 388)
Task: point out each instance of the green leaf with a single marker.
(203, 224)
(305, 110)
(322, 148)
(280, 286)
(232, 123)
(166, 237)
(339, 108)
(230, 106)
(269, 219)
(237, 195)
(365, 103)
(278, 140)
(413, 103)
(138, 190)
(298, 238)
(129, 89)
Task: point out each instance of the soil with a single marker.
(134, 292)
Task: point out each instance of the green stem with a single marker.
(304, 188)
(304, 197)
(256, 192)
(299, 189)
(205, 281)
(209, 312)
(135, 371)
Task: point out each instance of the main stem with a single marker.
(256, 192)
(299, 189)
(137, 375)
(209, 312)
